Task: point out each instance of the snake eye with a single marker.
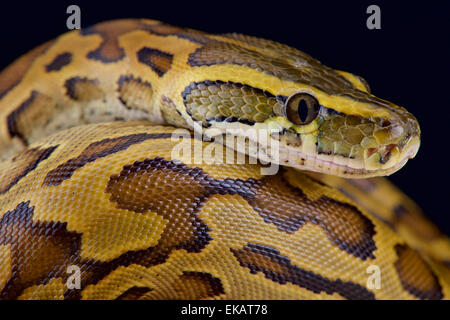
(302, 108)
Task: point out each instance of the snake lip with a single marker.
(307, 162)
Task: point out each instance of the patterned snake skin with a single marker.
(90, 181)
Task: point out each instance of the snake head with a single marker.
(346, 137)
(317, 118)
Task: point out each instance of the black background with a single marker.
(406, 62)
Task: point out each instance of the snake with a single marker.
(116, 180)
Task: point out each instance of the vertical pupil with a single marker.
(303, 110)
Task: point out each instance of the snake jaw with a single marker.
(383, 150)
(386, 151)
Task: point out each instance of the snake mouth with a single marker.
(309, 152)
(381, 161)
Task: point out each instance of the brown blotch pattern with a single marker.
(134, 93)
(83, 89)
(59, 61)
(285, 63)
(30, 115)
(13, 74)
(272, 197)
(265, 44)
(173, 191)
(164, 29)
(158, 60)
(43, 250)
(415, 274)
(21, 165)
(198, 285)
(95, 151)
(218, 52)
(39, 250)
(134, 293)
(260, 258)
(288, 208)
(110, 50)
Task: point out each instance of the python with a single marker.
(90, 178)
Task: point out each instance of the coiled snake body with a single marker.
(91, 182)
